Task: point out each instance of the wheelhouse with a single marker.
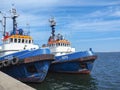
(18, 39)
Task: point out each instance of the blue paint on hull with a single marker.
(78, 62)
(22, 73)
(30, 71)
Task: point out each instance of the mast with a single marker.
(52, 24)
(14, 16)
(3, 22)
(4, 25)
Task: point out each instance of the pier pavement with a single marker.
(9, 83)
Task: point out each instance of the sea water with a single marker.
(105, 75)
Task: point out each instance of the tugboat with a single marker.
(67, 60)
(20, 57)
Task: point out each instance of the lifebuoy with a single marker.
(14, 61)
(1, 64)
(6, 63)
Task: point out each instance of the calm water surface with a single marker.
(104, 76)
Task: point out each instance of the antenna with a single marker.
(52, 24)
(28, 26)
(14, 16)
(2, 25)
(3, 22)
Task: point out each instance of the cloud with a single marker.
(101, 20)
(29, 4)
(79, 3)
(99, 39)
(106, 12)
(94, 26)
(117, 13)
(93, 21)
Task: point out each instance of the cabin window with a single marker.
(11, 39)
(26, 41)
(59, 44)
(29, 41)
(61, 53)
(19, 40)
(22, 40)
(67, 44)
(56, 44)
(15, 40)
(31, 69)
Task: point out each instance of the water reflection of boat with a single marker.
(20, 57)
(55, 81)
(71, 82)
(67, 60)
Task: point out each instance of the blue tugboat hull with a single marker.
(32, 66)
(23, 73)
(79, 62)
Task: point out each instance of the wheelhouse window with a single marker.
(22, 40)
(15, 40)
(59, 44)
(26, 41)
(65, 45)
(29, 41)
(19, 40)
(11, 39)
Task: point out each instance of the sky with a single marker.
(85, 23)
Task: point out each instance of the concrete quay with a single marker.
(9, 83)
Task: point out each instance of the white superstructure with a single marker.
(16, 40)
(57, 43)
(15, 43)
(60, 47)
